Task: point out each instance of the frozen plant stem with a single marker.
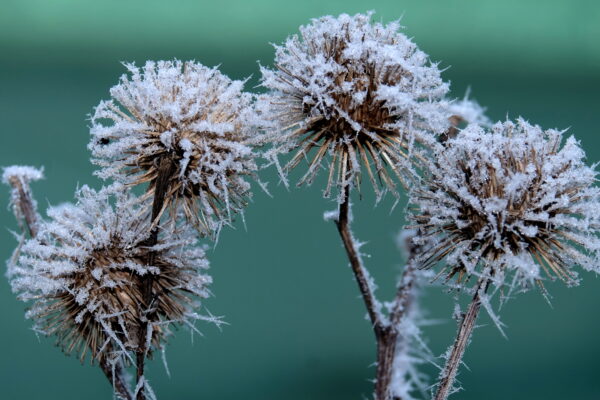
(161, 184)
(386, 333)
(463, 336)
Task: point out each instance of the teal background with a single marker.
(296, 328)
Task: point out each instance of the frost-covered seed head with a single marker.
(510, 200)
(83, 272)
(353, 91)
(189, 121)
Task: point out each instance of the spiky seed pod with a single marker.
(82, 274)
(186, 130)
(356, 91)
(510, 200)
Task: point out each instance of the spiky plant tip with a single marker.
(511, 201)
(356, 94)
(184, 129)
(82, 276)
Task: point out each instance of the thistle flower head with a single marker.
(353, 91)
(82, 273)
(511, 200)
(183, 128)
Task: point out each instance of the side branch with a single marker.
(463, 337)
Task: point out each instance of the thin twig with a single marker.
(463, 337)
(387, 347)
(25, 204)
(161, 183)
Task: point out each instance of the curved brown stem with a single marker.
(463, 337)
(386, 334)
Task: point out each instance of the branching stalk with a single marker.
(386, 332)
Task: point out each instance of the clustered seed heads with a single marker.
(186, 130)
(509, 200)
(82, 274)
(112, 274)
(357, 92)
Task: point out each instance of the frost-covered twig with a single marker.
(362, 279)
(22, 202)
(463, 337)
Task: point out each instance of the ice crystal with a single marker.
(510, 200)
(354, 92)
(186, 130)
(83, 270)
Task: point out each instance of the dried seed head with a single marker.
(82, 273)
(184, 129)
(509, 200)
(357, 91)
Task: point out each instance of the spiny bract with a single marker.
(359, 91)
(510, 199)
(186, 130)
(82, 273)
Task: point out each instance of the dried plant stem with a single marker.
(25, 204)
(165, 171)
(117, 380)
(386, 333)
(463, 337)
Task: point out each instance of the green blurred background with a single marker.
(296, 328)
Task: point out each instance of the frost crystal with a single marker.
(510, 200)
(184, 128)
(353, 91)
(82, 273)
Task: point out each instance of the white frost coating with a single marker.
(82, 274)
(510, 200)
(365, 81)
(189, 114)
(22, 172)
(469, 111)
